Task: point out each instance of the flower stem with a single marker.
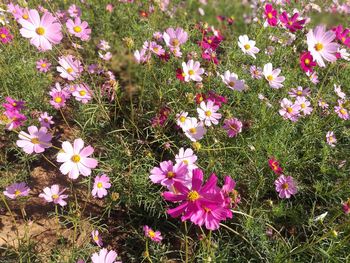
(147, 252)
(186, 243)
(64, 118)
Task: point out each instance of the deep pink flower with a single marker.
(275, 166)
(231, 195)
(233, 126)
(54, 195)
(307, 62)
(155, 236)
(210, 55)
(36, 141)
(167, 173)
(216, 98)
(16, 190)
(79, 28)
(346, 207)
(343, 35)
(285, 186)
(13, 105)
(271, 15)
(13, 119)
(43, 32)
(100, 185)
(5, 35)
(212, 42)
(292, 23)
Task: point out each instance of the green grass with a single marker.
(127, 146)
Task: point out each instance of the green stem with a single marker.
(147, 252)
(186, 243)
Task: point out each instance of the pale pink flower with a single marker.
(192, 71)
(285, 186)
(339, 92)
(247, 46)
(45, 120)
(289, 110)
(54, 195)
(272, 76)
(232, 82)
(299, 92)
(75, 159)
(105, 256)
(181, 119)
(79, 28)
(207, 112)
(153, 235)
(321, 46)
(142, 56)
(313, 77)
(103, 45)
(82, 93)
(156, 49)
(187, 157)
(70, 68)
(101, 183)
(175, 38)
(42, 32)
(58, 96)
(109, 8)
(194, 130)
(323, 104)
(36, 141)
(331, 139)
(107, 56)
(97, 238)
(342, 112)
(304, 104)
(74, 11)
(43, 65)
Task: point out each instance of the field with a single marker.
(174, 131)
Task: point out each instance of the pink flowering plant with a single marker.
(174, 131)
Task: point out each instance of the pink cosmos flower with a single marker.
(156, 49)
(231, 195)
(271, 15)
(339, 92)
(43, 32)
(192, 71)
(233, 126)
(217, 99)
(107, 56)
(79, 28)
(321, 46)
(175, 38)
(299, 92)
(313, 77)
(45, 120)
(36, 141)
(304, 104)
(158, 36)
(346, 207)
(103, 45)
(232, 82)
(70, 68)
(292, 23)
(13, 105)
(109, 8)
(247, 46)
(210, 55)
(105, 256)
(58, 96)
(5, 35)
(142, 56)
(16, 190)
(200, 204)
(285, 186)
(167, 173)
(187, 157)
(289, 110)
(343, 35)
(43, 65)
(100, 185)
(82, 93)
(194, 130)
(255, 72)
(342, 112)
(13, 119)
(155, 236)
(16, 11)
(54, 195)
(75, 159)
(208, 113)
(97, 238)
(271, 75)
(74, 11)
(307, 62)
(331, 139)
(323, 104)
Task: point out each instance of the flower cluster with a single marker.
(12, 117)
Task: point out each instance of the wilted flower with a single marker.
(97, 238)
(233, 126)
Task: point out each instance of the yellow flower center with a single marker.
(193, 196)
(95, 237)
(99, 185)
(75, 158)
(307, 61)
(319, 46)
(206, 209)
(303, 106)
(58, 99)
(343, 39)
(289, 110)
(269, 15)
(269, 78)
(69, 70)
(151, 233)
(77, 29)
(54, 196)
(185, 162)
(17, 192)
(175, 42)
(43, 65)
(285, 186)
(3, 36)
(247, 46)
(299, 92)
(34, 140)
(82, 93)
(40, 31)
(190, 72)
(182, 119)
(170, 174)
(343, 111)
(208, 113)
(25, 16)
(210, 41)
(231, 84)
(193, 130)
(156, 49)
(290, 23)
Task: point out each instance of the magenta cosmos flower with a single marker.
(100, 185)
(97, 238)
(42, 32)
(346, 207)
(13, 105)
(12, 119)
(292, 23)
(70, 68)
(45, 120)
(192, 71)
(342, 34)
(5, 36)
(36, 141)
(285, 186)
(54, 195)
(43, 65)
(79, 28)
(233, 126)
(321, 46)
(58, 96)
(271, 15)
(105, 256)
(155, 236)
(75, 159)
(307, 62)
(167, 173)
(16, 190)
